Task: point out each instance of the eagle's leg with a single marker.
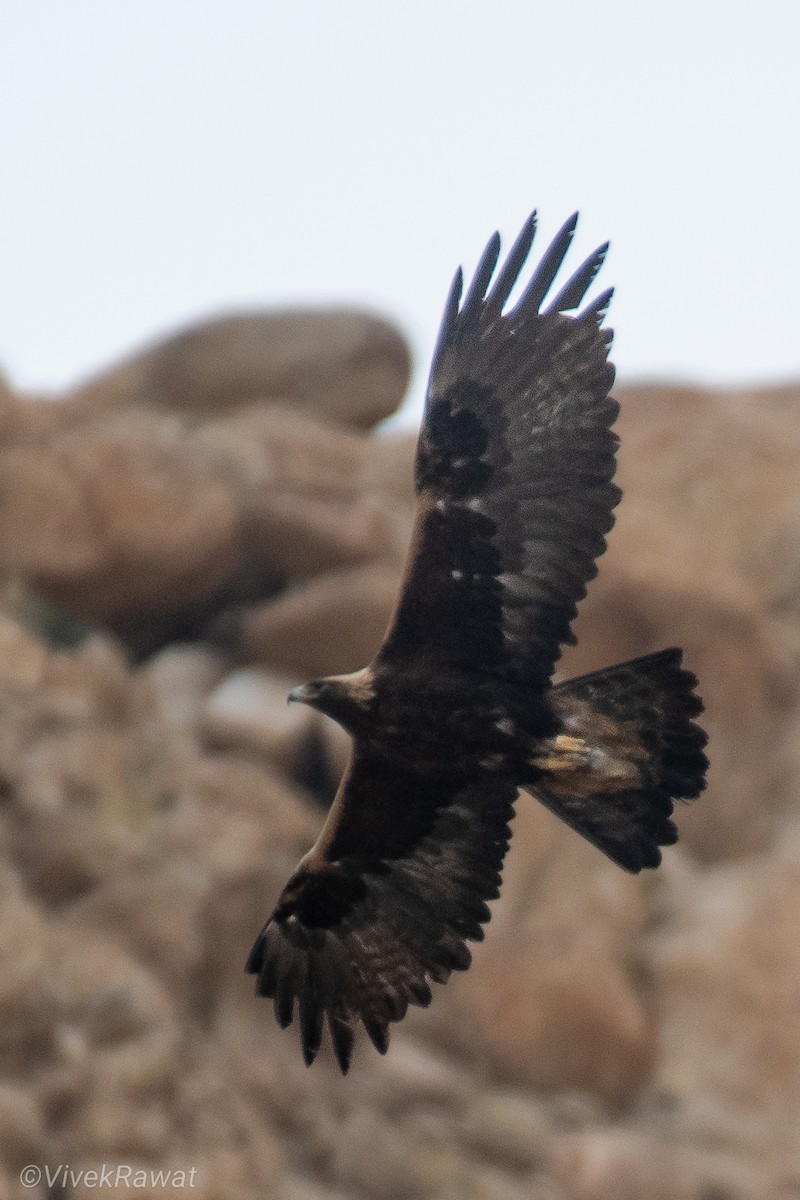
(563, 753)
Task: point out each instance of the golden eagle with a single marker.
(457, 711)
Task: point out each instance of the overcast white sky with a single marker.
(165, 159)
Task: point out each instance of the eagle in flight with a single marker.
(458, 711)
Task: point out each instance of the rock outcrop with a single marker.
(181, 541)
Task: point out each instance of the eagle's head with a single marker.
(349, 699)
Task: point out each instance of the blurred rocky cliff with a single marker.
(216, 519)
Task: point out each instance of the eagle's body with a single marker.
(457, 711)
(408, 715)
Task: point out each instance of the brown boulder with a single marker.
(22, 1129)
(181, 677)
(613, 1164)
(305, 490)
(154, 531)
(117, 521)
(23, 954)
(554, 998)
(249, 712)
(13, 413)
(347, 365)
(637, 606)
(725, 964)
(334, 623)
(616, 1036)
(87, 760)
(46, 525)
(22, 661)
(694, 560)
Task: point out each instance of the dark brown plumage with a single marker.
(456, 713)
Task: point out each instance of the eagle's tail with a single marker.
(628, 746)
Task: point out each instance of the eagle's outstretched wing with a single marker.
(385, 901)
(513, 471)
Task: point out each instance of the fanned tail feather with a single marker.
(629, 747)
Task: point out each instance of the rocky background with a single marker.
(214, 520)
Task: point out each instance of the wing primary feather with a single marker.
(511, 268)
(420, 992)
(576, 288)
(542, 278)
(255, 961)
(378, 1032)
(599, 307)
(342, 1038)
(397, 1006)
(450, 314)
(311, 1016)
(438, 972)
(453, 953)
(267, 979)
(480, 281)
(285, 990)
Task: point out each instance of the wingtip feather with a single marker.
(599, 307)
(255, 959)
(542, 279)
(480, 281)
(579, 283)
(309, 1053)
(378, 1032)
(449, 316)
(343, 1038)
(514, 263)
(311, 1017)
